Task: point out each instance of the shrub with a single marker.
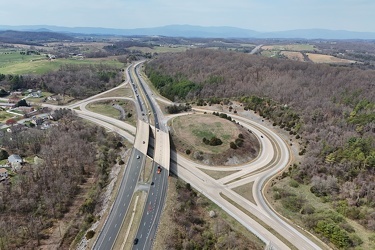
(239, 142)
(3, 154)
(308, 209)
(355, 240)
(188, 151)
(293, 183)
(293, 203)
(334, 233)
(213, 142)
(277, 195)
(90, 234)
(233, 145)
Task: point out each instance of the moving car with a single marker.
(138, 156)
(159, 170)
(135, 242)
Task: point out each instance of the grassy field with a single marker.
(4, 116)
(12, 62)
(246, 191)
(160, 49)
(190, 131)
(290, 47)
(9, 57)
(270, 53)
(320, 58)
(217, 174)
(105, 108)
(120, 92)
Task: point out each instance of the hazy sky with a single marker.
(259, 15)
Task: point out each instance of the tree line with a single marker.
(78, 81)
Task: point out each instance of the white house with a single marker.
(14, 158)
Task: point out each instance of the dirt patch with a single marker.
(293, 55)
(188, 133)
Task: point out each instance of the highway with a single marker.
(113, 224)
(274, 156)
(158, 191)
(109, 234)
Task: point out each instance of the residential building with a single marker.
(3, 173)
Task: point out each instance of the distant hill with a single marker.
(199, 31)
(32, 37)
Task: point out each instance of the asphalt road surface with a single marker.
(153, 209)
(108, 235)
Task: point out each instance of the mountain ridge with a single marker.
(200, 31)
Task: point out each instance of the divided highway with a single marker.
(158, 188)
(273, 157)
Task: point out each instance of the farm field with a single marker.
(293, 55)
(159, 49)
(320, 58)
(291, 47)
(44, 66)
(270, 53)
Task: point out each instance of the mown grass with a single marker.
(120, 92)
(4, 116)
(190, 131)
(105, 108)
(17, 65)
(246, 191)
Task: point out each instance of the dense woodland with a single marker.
(330, 109)
(78, 81)
(43, 191)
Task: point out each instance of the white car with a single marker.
(138, 156)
